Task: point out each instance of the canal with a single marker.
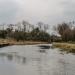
(35, 60)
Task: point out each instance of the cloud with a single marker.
(48, 11)
(8, 10)
(39, 10)
(68, 9)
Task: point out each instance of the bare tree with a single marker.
(46, 27)
(67, 35)
(19, 26)
(40, 25)
(65, 31)
(24, 25)
(62, 27)
(10, 26)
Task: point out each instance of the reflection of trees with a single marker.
(10, 57)
(41, 62)
(24, 60)
(13, 57)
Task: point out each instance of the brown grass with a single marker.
(64, 45)
(14, 42)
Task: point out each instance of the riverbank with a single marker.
(64, 45)
(7, 42)
(68, 47)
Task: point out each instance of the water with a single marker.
(34, 60)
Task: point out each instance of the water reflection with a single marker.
(42, 51)
(32, 60)
(67, 51)
(24, 60)
(13, 57)
(10, 57)
(44, 46)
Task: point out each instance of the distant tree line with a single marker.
(26, 31)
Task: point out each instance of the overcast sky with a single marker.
(47, 11)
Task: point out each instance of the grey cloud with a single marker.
(43, 10)
(30, 10)
(8, 10)
(69, 8)
(48, 11)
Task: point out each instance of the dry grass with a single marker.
(14, 42)
(64, 45)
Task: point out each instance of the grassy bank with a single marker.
(64, 45)
(68, 47)
(14, 42)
